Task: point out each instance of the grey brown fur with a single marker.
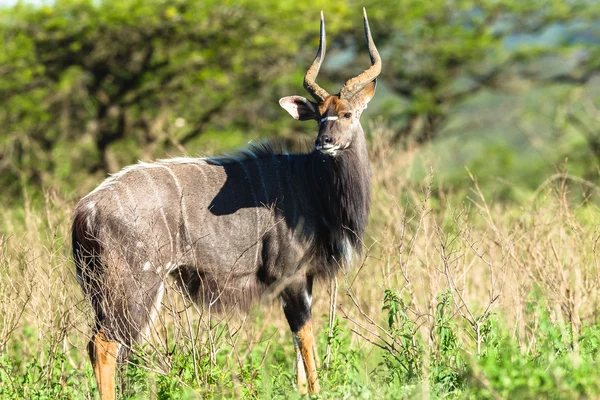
(230, 229)
(226, 228)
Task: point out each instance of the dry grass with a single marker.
(493, 260)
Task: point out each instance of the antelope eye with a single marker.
(348, 115)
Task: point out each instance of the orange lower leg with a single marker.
(103, 355)
(300, 370)
(305, 344)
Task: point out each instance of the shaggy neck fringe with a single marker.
(342, 187)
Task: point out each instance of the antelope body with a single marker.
(229, 229)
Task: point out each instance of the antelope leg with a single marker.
(103, 355)
(300, 370)
(306, 346)
(297, 300)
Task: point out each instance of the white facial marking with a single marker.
(329, 150)
(328, 119)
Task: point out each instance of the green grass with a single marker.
(472, 286)
(441, 366)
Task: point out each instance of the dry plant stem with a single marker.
(405, 261)
(388, 347)
(211, 338)
(234, 376)
(11, 321)
(362, 327)
(194, 351)
(262, 361)
(458, 298)
(564, 176)
(356, 303)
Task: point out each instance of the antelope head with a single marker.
(338, 115)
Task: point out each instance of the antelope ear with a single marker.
(299, 107)
(360, 100)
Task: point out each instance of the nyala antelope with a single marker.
(229, 229)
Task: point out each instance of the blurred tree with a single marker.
(93, 85)
(439, 53)
(81, 79)
(585, 116)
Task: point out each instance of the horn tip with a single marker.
(322, 16)
(365, 12)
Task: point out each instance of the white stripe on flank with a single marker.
(112, 179)
(199, 168)
(91, 218)
(183, 207)
(116, 194)
(132, 202)
(177, 183)
(162, 210)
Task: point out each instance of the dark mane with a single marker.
(261, 149)
(342, 191)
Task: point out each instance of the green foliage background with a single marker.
(508, 90)
(89, 86)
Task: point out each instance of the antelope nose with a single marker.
(324, 141)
